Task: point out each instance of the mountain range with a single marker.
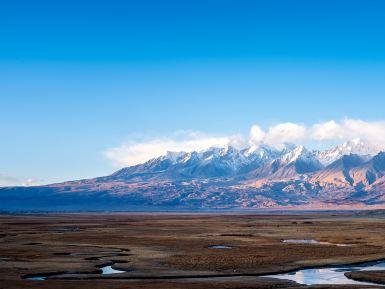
(350, 175)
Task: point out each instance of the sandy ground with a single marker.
(173, 250)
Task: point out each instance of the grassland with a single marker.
(173, 250)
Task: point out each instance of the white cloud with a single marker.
(257, 135)
(326, 131)
(134, 152)
(285, 132)
(131, 153)
(278, 134)
(372, 132)
(6, 181)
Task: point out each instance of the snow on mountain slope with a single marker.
(355, 146)
(294, 160)
(303, 159)
(225, 177)
(257, 162)
(213, 162)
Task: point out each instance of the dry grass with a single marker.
(155, 245)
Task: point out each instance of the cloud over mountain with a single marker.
(131, 152)
(134, 152)
(287, 132)
(373, 132)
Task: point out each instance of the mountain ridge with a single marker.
(223, 178)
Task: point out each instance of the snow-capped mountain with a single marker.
(355, 146)
(304, 160)
(213, 162)
(228, 161)
(351, 174)
(293, 161)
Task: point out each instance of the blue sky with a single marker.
(78, 78)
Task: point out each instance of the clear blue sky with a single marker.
(79, 77)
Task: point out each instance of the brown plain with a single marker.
(173, 250)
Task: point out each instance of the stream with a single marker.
(330, 274)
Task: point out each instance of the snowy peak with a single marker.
(298, 152)
(355, 146)
(256, 161)
(262, 153)
(214, 162)
(293, 161)
(302, 160)
(301, 155)
(174, 156)
(359, 147)
(228, 177)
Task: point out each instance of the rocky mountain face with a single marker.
(351, 175)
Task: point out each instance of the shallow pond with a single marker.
(220, 247)
(314, 242)
(38, 278)
(330, 275)
(107, 270)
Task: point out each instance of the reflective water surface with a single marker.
(41, 278)
(107, 270)
(312, 241)
(331, 275)
(220, 247)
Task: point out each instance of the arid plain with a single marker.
(176, 250)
